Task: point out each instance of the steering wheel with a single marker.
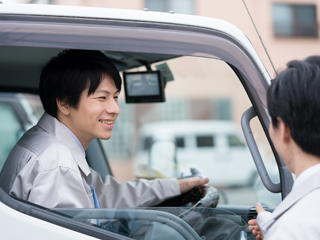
(200, 221)
(210, 200)
(204, 196)
(207, 222)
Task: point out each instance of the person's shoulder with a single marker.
(38, 141)
(301, 221)
(49, 151)
(310, 201)
(295, 228)
(310, 193)
(306, 207)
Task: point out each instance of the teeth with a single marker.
(106, 122)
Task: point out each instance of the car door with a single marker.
(135, 41)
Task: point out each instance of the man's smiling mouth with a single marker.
(109, 122)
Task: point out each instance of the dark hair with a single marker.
(294, 96)
(67, 75)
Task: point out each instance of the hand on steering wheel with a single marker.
(210, 200)
(205, 195)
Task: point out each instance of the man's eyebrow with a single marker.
(105, 91)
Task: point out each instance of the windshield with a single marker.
(165, 223)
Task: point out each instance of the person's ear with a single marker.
(63, 107)
(284, 131)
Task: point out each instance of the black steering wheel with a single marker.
(209, 223)
(204, 196)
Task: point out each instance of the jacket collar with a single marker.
(54, 127)
(307, 186)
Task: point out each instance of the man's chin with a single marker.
(105, 137)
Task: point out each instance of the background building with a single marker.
(289, 28)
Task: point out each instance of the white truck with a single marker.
(31, 34)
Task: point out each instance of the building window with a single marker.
(295, 20)
(175, 110)
(222, 109)
(178, 6)
(41, 1)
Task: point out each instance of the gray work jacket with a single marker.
(48, 168)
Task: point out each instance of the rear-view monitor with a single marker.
(144, 87)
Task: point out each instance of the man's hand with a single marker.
(253, 223)
(187, 184)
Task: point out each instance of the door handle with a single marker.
(245, 124)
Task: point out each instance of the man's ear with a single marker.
(63, 107)
(284, 131)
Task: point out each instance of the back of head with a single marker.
(67, 75)
(294, 96)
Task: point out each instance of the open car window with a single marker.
(201, 118)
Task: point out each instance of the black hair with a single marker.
(68, 74)
(294, 96)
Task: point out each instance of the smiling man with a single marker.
(79, 92)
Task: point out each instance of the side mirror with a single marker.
(163, 157)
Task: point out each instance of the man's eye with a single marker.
(102, 97)
(115, 97)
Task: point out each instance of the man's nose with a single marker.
(113, 107)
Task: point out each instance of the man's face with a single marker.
(96, 113)
(279, 138)
(274, 135)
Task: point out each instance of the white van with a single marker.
(215, 148)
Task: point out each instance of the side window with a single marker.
(147, 143)
(234, 141)
(202, 116)
(180, 142)
(205, 141)
(10, 131)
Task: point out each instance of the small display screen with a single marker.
(143, 87)
(142, 84)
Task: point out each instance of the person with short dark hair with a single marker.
(294, 107)
(79, 91)
(67, 75)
